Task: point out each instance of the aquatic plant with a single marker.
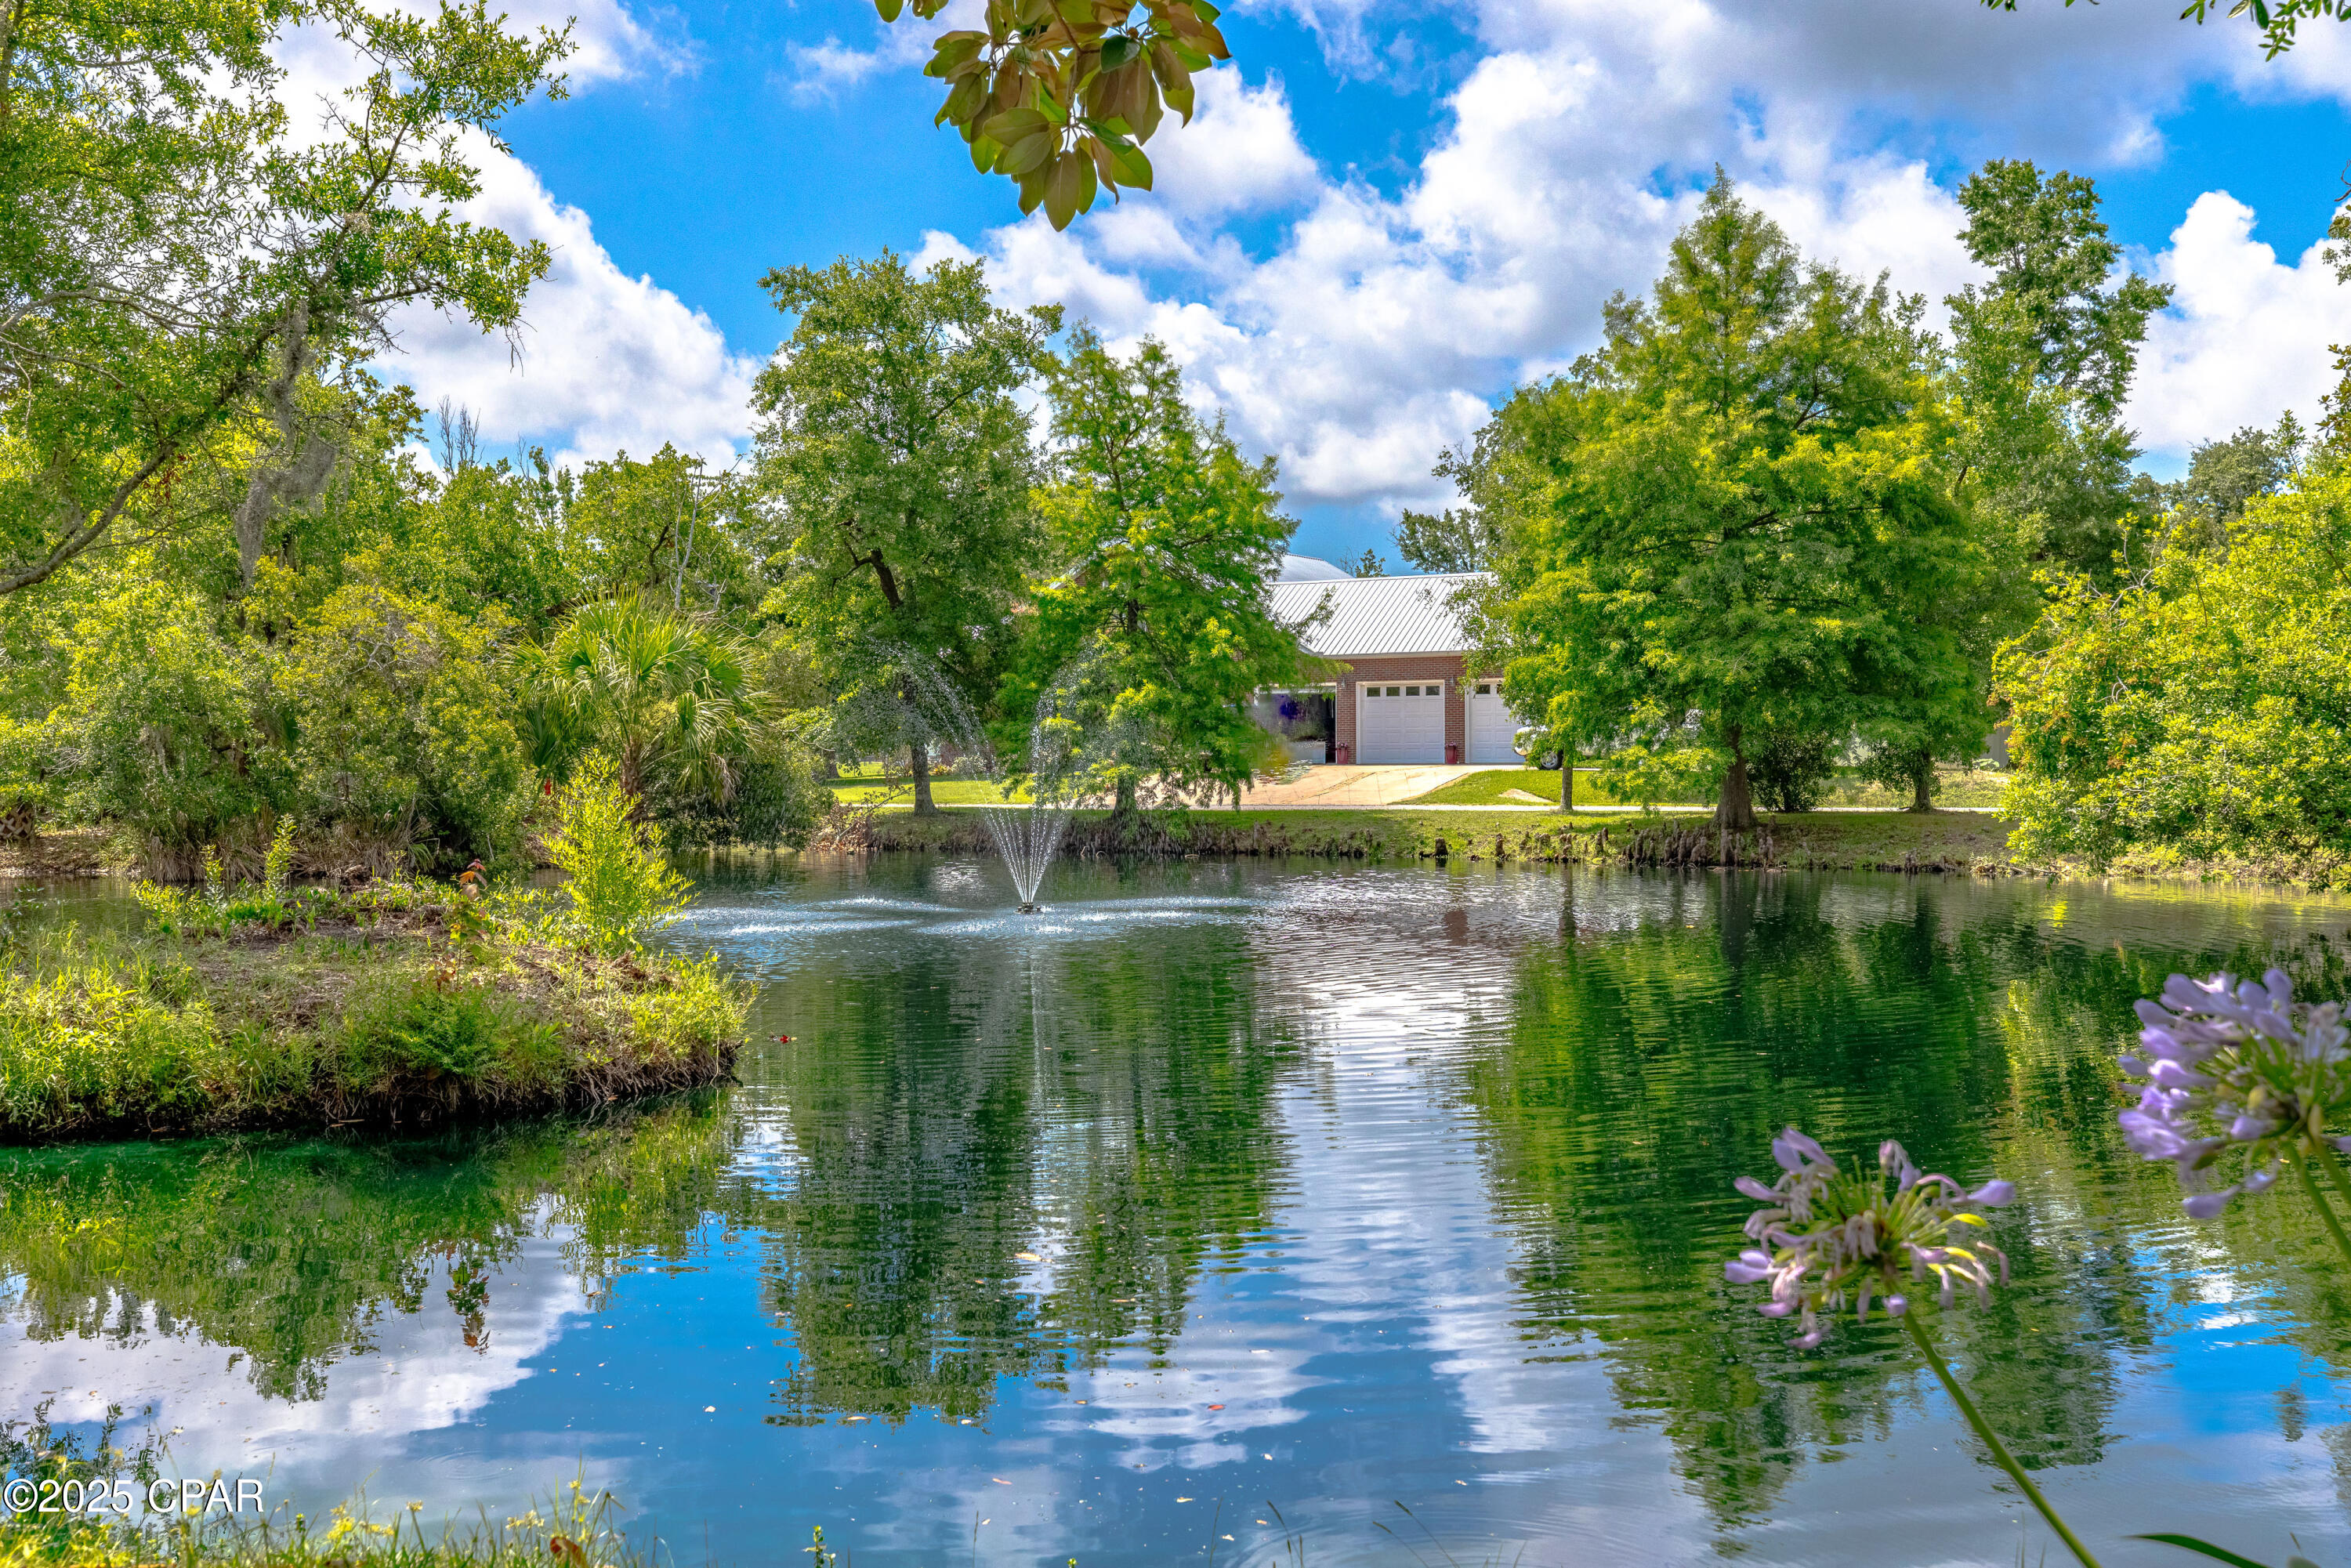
(1827, 1236)
(2240, 1080)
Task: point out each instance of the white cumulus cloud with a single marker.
(2246, 336)
(606, 362)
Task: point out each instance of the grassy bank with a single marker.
(1891, 840)
(1510, 786)
(398, 1005)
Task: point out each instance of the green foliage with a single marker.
(2199, 712)
(662, 529)
(2195, 511)
(404, 734)
(229, 1016)
(1459, 539)
(619, 886)
(1727, 522)
(2041, 362)
(2278, 23)
(87, 1043)
(169, 719)
(1164, 539)
(1790, 771)
(421, 1028)
(1058, 95)
(185, 253)
(892, 438)
(668, 697)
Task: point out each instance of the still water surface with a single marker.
(1217, 1190)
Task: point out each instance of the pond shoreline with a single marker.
(1946, 842)
(395, 1016)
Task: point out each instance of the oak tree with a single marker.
(901, 462)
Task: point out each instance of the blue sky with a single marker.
(1386, 215)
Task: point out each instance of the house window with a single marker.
(1394, 691)
(1485, 688)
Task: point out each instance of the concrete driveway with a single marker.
(1358, 784)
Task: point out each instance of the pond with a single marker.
(1217, 1190)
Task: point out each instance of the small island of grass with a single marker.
(397, 1004)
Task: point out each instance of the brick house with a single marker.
(1403, 694)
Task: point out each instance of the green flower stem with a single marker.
(2333, 1167)
(1912, 1321)
(2318, 1196)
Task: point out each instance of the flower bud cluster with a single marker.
(2233, 1075)
(1825, 1234)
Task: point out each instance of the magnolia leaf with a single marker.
(1080, 12)
(984, 150)
(1032, 188)
(1061, 192)
(1146, 112)
(954, 50)
(1103, 169)
(1117, 50)
(1010, 128)
(1133, 168)
(963, 100)
(1051, 107)
(1029, 153)
(889, 8)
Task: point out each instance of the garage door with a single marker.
(1492, 724)
(1400, 723)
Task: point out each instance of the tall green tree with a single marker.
(1160, 609)
(2041, 359)
(179, 261)
(894, 441)
(1726, 522)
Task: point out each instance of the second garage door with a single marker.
(1492, 725)
(1400, 723)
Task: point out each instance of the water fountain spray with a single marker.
(1061, 756)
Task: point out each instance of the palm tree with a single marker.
(667, 695)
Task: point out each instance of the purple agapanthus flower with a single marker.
(1825, 1236)
(2233, 1075)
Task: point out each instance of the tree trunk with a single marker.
(294, 476)
(1125, 808)
(918, 761)
(1736, 810)
(1922, 784)
(1566, 781)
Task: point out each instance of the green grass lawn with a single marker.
(1957, 787)
(1491, 787)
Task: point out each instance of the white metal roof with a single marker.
(1380, 614)
(1308, 569)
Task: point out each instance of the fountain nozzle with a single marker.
(1027, 909)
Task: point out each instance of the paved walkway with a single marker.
(1357, 784)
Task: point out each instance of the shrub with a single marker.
(166, 716)
(2203, 710)
(619, 886)
(1788, 769)
(404, 732)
